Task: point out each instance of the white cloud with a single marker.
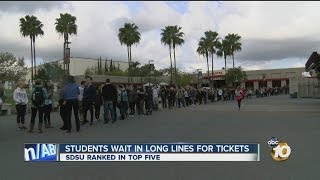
(263, 26)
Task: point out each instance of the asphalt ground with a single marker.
(295, 121)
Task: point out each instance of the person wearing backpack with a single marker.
(123, 102)
(38, 97)
(21, 99)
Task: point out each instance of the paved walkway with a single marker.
(293, 120)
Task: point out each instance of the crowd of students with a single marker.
(130, 100)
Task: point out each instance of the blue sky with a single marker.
(270, 38)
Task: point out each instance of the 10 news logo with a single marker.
(280, 150)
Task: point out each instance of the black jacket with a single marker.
(109, 93)
(89, 94)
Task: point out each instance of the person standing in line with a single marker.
(132, 97)
(155, 96)
(239, 96)
(39, 95)
(21, 99)
(163, 94)
(179, 96)
(109, 94)
(140, 101)
(62, 107)
(149, 100)
(98, 103)
(70, 96)
(186, 97)
(123, 102)
(89, 96)
(48, 104)
(81, 89)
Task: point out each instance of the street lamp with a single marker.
(199, 71)
(151, 70)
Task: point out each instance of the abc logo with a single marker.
(280, 150)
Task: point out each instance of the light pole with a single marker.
(199, 71)
(151, 70)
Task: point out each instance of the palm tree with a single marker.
(30, 26)
(65, 26)
(213, 39)
(203, 49)
(224, 51)
(235, 44)
(129, 35)
(177, 40)
(167, 40)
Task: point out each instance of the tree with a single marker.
(177, 40)
(235, 44)
(223, 51)
(166, 39)
(235, 76)
(65, 26)
(203, 50)
(129, 35)
(213, 39)
(11, 68)
(31, 27)
(50, 71)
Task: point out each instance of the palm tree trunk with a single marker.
(170, 66)
(233, 59)
(128, 50)
(212, 69)
(31, 46)
(175, 66)
(68, 64)
(130, 65)
(208, 66)
(225, 68)
(34, 55)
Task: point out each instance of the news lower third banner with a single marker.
(142, 152)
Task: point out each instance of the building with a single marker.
(78, 65)
(310, 87)
(272, 78)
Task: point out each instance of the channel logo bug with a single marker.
(280, 150)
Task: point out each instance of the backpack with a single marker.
(38, 97)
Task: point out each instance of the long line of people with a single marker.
(128, 99)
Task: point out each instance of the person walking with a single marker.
(109, 94)
(70, 96)
(20, 97)
(89, 96)
(39, 95)
(239, 96)
(98, 103)
(48, 104)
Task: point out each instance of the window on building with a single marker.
(276, 83)
(249, 85)
(262, 84)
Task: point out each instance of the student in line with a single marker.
(48, 104)
(89, 96)
(70, 97)
(20, 97)
(98, 103)
(39, 95)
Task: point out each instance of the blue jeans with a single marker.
(108, 107)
